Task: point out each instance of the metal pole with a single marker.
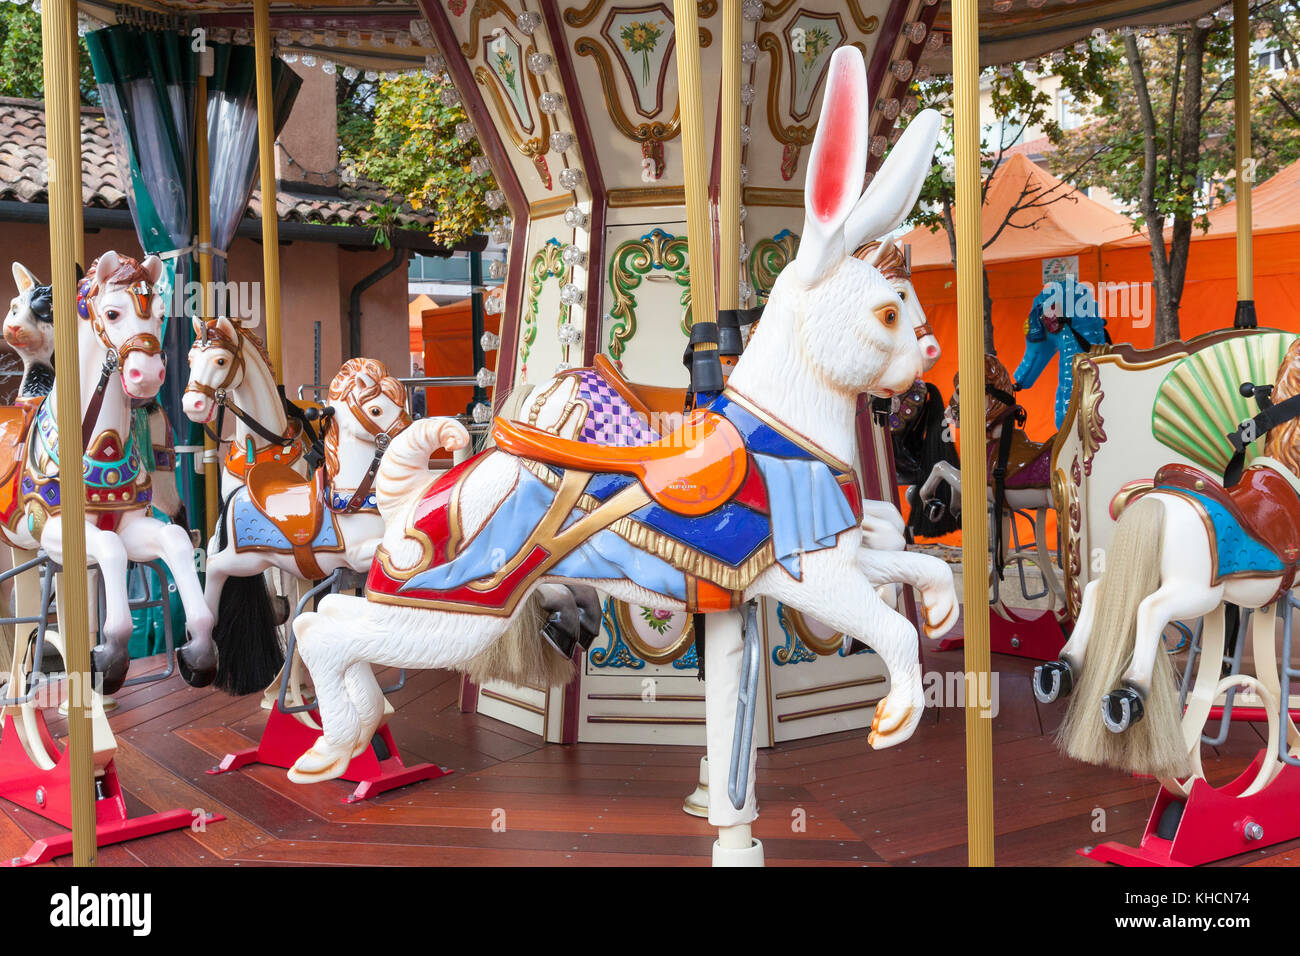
(211, 475)
(970, 333)
(74, 69)
(1245, 317)
(478, 323)
(63, 130)
(729, 233)
(266, 158)
(695, 158)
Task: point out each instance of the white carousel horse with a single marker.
(118, 335)
(1183, 547)
(462, 553)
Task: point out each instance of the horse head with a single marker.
(118, 298)
(999, 398)
(892, 263)
(216, 365)
(835, 314)
(29, 324)
(367, 403)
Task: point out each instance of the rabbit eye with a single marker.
(888, 316)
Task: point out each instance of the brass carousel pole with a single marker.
(729, 187)
(74, 69)
(970, 333)
(1245, 317)
(695, 159)
(63, 129)
(211, 477)
(266, 159)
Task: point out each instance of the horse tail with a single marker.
(404, 471)
(1154, 744)
(521, 656)
(248, 643)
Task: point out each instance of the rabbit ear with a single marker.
(892, 193)
(836, 165)
(23, 277)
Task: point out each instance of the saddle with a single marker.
(1263, 503)
(295, 505)
(649, 400)
(15, 424)
(691, 472)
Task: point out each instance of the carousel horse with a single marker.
(753, 497)
(1184, 546)
(120, 320)
(1068, 324)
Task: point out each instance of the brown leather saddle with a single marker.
(295, 505)
(694, 470)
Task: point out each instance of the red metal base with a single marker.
(48, 793)
(1037, 638)
(1215, 824)
(286, 738)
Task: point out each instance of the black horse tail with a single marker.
(248, 645)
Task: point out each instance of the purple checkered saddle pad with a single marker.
(610, 421)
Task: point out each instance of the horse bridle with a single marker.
(220, 394)
(115, 356)
(383, 437)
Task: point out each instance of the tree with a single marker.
(400, 134)
(1018, 105)
(1161, 106)
(21, 69)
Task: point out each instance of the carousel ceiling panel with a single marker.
(1023, 32)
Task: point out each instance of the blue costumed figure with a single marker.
(1064, 319)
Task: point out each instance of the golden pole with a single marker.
(266, 158)
(970, 338)
(695, 159)
(1241, 109)
(74, 68)
(729, 233)
(63, 128)
(211, 477)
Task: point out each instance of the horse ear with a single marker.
(103, 267)
(893, 192)
(836, 165)
(152, 267)
(227, 328)
(198, 326)
(23, 278)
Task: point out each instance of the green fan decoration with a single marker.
(1199, 402)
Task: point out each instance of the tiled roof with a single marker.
(23, 174)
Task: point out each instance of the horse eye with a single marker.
(221, 363)
(112, 314)
(376, 410)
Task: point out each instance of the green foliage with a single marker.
(399, 134)
(21, 70)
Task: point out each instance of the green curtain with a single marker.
(148, 81)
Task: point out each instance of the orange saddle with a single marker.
(295, 505)
(694, 470)
(15, 423)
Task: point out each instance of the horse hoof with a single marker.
(196, 673)
(279, 609)
(1052, 680)
(1121, 709)
(108, 667)
(561, 639)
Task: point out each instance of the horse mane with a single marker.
(1283, 442)
(356, 371)
(128, 273)
(892, 265)
(245, 333)
(995, 374)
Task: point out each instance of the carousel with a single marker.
(664, 555)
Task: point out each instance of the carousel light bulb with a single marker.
(497, 269)
(752, 10)
(500, 231)
(221, 35)
(909, 105)
(354, 38)
(350, 73)
(377, 39)
(1162, 30)
(289, 57)
(562, 367)
(1205, 22)
(744, 291)
(889, 107)
(550, 102)
(571, 294)
(744, 211)
(935, 42)
(744, 174)
(575, 217)
(528, 22)
(402, 41)
(747, 93)
(902, 69)
(1004, 70)
(485, 377)
(307, 38)
(372, 76)
(748, 51)
(494, 304)
(241, 35)
(330, 38)
(328, 67)
(494, 199)
(878, 144)
(449, 96)
(570, 178)
(283, 37)
(746, 134)
(480, 166)
(930, 3)
(569, 334)
(308, 60)
(465, 131)
(744, 250)
(1058, 57)
(422, 32)
(1081, 46)
(574, 257)
(561, 140)
(1223, 14)
(482, 413)
(435, 62)
(915, 31)
(922, 72)
(490, 341)
(539, 63)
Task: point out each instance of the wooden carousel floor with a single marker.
(601, 804)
